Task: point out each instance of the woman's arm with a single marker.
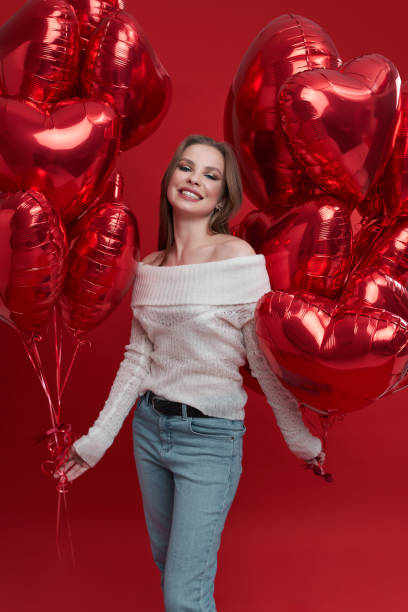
(122, 396)
(284, 405)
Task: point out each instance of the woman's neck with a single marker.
(193, 242)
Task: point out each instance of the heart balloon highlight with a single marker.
(67, 154)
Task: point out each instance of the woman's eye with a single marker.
(211, 176)
(184, 168)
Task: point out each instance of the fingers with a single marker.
(320, 458)
(71, 470)
(73, 467)
(75, 471)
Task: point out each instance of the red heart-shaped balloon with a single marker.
(33, 250)
(287, 45)
(39, 50)
(122, 68)
(342, 124)
(332, 361)
(103, 257)
(67, 154)
(309, 247)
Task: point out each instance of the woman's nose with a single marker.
(194, 178)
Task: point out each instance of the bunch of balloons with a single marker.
(79, 82)
(323, 150)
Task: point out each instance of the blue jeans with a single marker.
(188, 470)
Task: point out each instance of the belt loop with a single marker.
(184, 411)
(147, 395)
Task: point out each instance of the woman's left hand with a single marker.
(74, 466)
(319, 460)
(317, 465)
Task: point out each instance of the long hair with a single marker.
(232, 196)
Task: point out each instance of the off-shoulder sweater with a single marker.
(193, 327)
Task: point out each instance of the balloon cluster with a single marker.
(323, 150)
(79, 82)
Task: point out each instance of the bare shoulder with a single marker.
(153, 258)
(234, 247)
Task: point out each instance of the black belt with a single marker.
(165, 406)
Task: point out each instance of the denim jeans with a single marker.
(188, 469)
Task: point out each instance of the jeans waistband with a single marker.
(170, 408)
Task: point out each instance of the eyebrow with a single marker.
(189, 161)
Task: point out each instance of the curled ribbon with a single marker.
(60, 439)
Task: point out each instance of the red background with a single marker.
(292, 542)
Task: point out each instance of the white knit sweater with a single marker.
(193, 326)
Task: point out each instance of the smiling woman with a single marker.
(193, 327)
(209, 169)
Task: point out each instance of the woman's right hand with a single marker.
(74, 466)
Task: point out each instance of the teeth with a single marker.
(190, 194)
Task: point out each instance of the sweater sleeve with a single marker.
(132, 370)
(284, 405)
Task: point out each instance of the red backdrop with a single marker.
(292, 542)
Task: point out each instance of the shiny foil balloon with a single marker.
(391, 197)
(367, 233)
(382, 276)
(90, 13)
(254, 227)
(39, 49)
(33, 252)
(67, 154)
(309, 247)
(102, 264)
(342, 124)
(397, 177)
(333, 362)
(376, 289)
(122, 68)
(389, 254)
(286, 46)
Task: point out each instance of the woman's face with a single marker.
(197, 184)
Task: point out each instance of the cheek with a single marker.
(171, 186)
(215, 191)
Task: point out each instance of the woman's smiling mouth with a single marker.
(189, 194)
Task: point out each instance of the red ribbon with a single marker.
(60, 439)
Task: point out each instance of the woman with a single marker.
(193, 304)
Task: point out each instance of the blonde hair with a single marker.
(231, 198)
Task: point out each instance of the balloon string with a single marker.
(71, 543)
(57, 526)
(58, 359)
(78, 344)
(34, 357)
(63, 496)
(53, 414)
(60, 436)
